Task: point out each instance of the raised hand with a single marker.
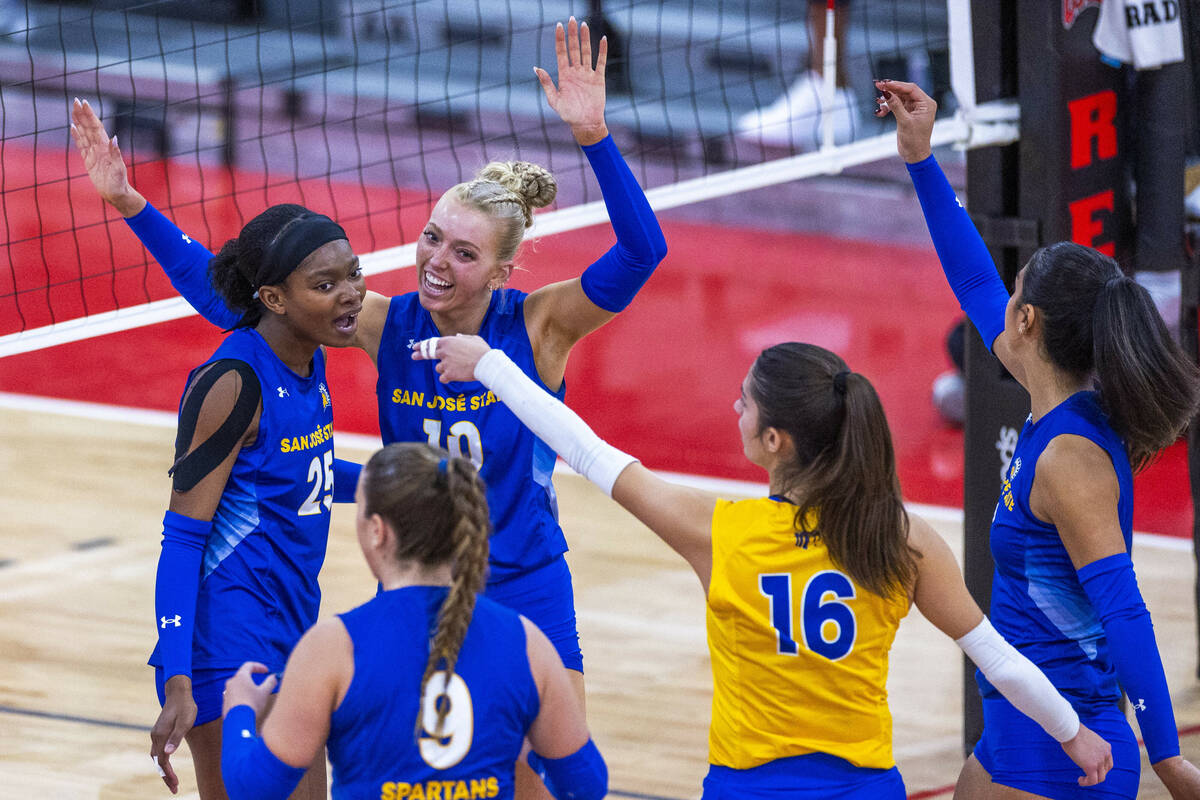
(578, 99)
(914, 112)
(103, 161)
(456, 355)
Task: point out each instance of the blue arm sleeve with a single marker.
(248, 767)
(613, 280)
(175, 588)
(186, 263)
(1112, 587)
(960, 248)
(583, 775)
(345, 480)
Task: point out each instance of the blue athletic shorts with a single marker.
(545, 597)
(208, 686)
(815, 776)
(1016, 752)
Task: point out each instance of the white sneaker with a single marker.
(794, 118)
(1192, 203)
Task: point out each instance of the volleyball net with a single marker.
(367, 110)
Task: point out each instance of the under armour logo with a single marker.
(172, 620)
(186, 238)
(283, 392)
(246, 734)
(411, 342)
(1140, 705)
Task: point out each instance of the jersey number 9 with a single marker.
(826, 623)
(445, 748)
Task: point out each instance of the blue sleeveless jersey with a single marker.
(258, 589)
(374, 748)
(466, 419)
(1038, 603)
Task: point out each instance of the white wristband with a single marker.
(551, 421)
(1020, 681)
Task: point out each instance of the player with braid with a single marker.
(427, 690)
(1108, 389)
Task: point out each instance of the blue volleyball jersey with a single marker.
(466, 419)
(1038, 603)
(258, 587)
(374, 746)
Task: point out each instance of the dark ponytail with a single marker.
(1097, 320)
(437, 506)
(233, 268)
(1148, 386)
(844, 474)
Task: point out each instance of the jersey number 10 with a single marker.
(821, 608)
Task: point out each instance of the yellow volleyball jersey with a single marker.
(799, 652)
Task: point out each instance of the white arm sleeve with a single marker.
(552, 422)
(1020, 681)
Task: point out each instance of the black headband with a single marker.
(296, 242)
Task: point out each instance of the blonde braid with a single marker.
(470, 537)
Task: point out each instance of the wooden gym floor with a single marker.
(84, 492)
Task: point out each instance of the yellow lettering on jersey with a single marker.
(433, 790)
(317, 438)
(493, 787)
(404, 397)
(460, 791)
(388, 791)
(417, 793)
(478, 788)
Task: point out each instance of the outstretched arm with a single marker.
(559, 315)
(965, 258)
(184, 260)
(681, 517)
(942, 597)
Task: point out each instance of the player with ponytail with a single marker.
(428, 684)
(805, 588)
(1108, 389)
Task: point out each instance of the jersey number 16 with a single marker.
(826, 623)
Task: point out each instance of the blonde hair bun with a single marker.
(531, 182)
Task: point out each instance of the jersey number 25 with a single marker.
(826, 623)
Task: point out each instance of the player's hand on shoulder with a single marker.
(1091, 754)
(1180, 776)
(243, 690)
(456, 355)
(103, 161)
(915, 113)
(174, 721)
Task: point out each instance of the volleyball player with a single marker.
(424, 691)
(464, 257)
(806, 587)
(1064, 589)
(254, 476)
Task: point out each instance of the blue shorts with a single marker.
(814, 776)
(544, 596)
(208, 687)
(1016, 752)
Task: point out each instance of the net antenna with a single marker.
(971, 125)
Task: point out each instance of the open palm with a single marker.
(578, 99)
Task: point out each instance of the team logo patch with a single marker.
(1071, 9)
(1016, 467)
(325, 401)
